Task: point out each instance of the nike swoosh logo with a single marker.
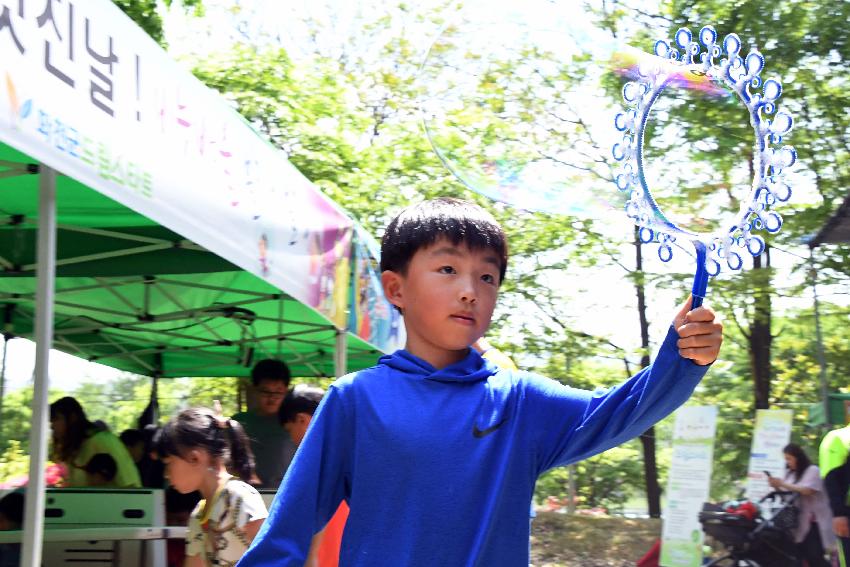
(479, 433)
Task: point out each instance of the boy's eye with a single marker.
(489, 278)
(446, 270)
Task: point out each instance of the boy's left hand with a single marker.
(700, 335)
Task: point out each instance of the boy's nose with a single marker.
(467, 294)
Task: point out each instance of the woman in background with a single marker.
(813, 533)
(76, 440)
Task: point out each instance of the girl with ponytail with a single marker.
(204, 451)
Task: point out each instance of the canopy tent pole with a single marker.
(7, 336)
(824, 384)
(6, 339)
(340, 349)
(46, 272)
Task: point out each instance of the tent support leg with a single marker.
(340, 349)
(6, 339)
(46, 272)
(8, 326)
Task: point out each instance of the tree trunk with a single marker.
(760, 339)
(647, 439)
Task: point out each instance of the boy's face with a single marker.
(447, 296)
(297, 428)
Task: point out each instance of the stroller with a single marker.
(754, 540)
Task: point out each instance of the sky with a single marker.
(601, 301)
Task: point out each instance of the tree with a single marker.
(799, 42)
(344, 108)
(146, 13)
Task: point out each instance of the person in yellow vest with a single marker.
(835, 469)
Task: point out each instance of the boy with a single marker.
(273, 451)
(296, 413)
(436, 450)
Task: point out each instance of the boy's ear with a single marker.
(393, 284)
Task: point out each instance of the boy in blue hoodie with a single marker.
(435, 449)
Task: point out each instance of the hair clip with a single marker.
(218, 416)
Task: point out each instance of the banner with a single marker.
(372, 317)
(688, 486)
(771, 433)
(87, 92)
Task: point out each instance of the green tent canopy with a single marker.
(139, 297)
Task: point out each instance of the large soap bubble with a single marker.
(519, 102)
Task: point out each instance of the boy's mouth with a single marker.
(464, 318)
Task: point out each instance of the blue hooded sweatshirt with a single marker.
(439, 466)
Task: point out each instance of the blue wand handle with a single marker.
(701, 275)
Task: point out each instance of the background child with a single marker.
(11, 518)
(200, 449)
(436, 450)
(100, 471)
(296, 413)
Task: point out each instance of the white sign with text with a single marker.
(688, 485)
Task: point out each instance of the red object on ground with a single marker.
(652, 557)
(328, 554)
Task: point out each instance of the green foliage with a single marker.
(147, 15)
(607, 480)
(14, 462)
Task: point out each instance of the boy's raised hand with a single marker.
(700, 335)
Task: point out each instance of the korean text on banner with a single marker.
(88, 93)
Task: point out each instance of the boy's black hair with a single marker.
(458, 221)
(12, 507)
(104, 465)
(201, 428)
(270, 369)
(301, 399)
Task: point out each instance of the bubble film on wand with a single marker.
(715, 67)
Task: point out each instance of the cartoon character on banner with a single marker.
(329, 246)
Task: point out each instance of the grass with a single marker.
(563, 540)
